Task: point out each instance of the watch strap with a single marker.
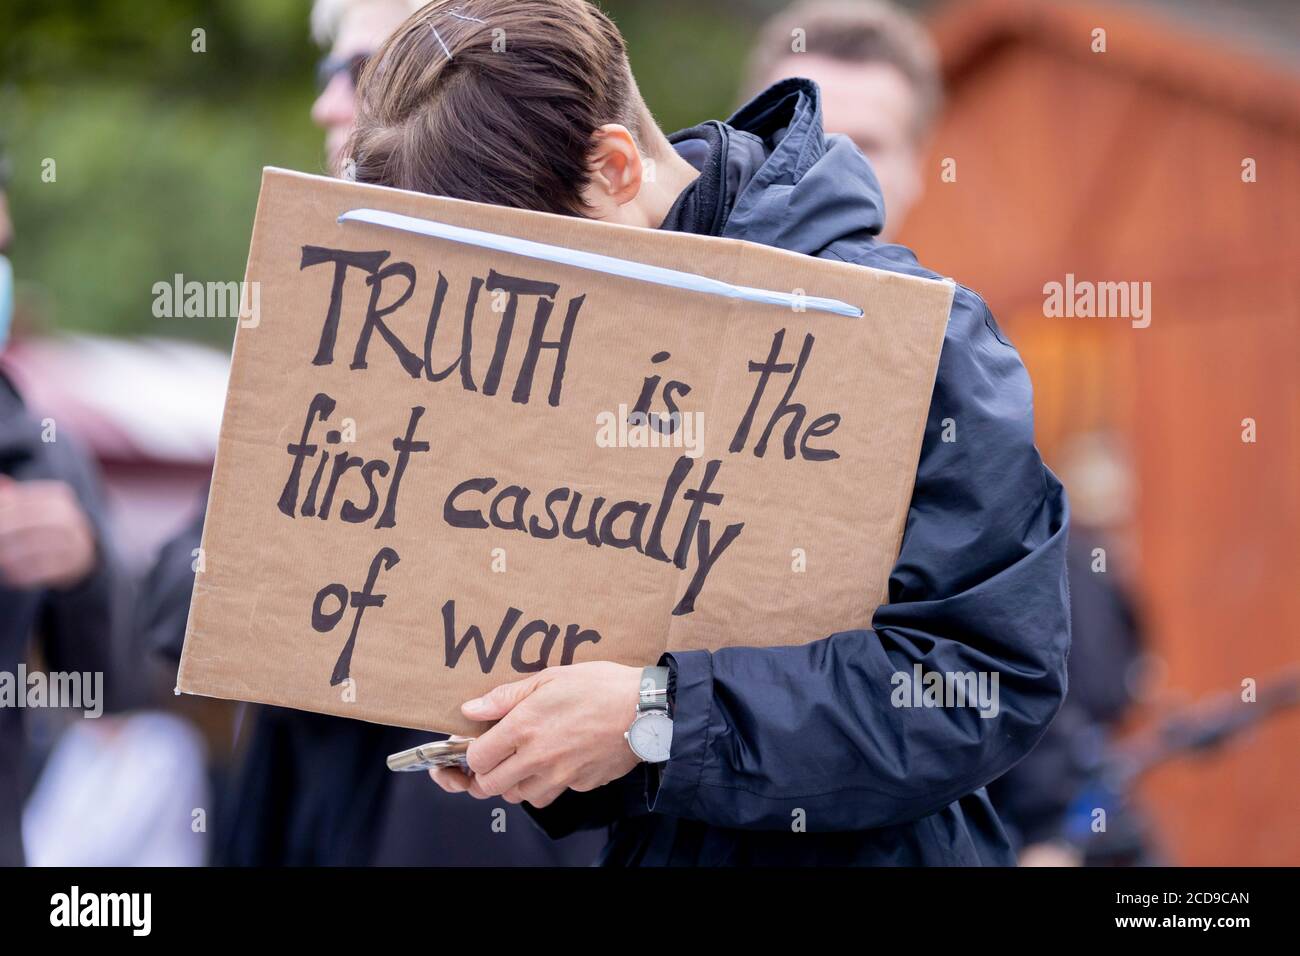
(654, 690)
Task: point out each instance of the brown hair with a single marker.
(495, 101)
(855, 31)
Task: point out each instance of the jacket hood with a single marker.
(807, 191)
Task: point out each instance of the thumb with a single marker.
(499, 701)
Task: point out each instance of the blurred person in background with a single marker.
(58, 580)
(1037, 798)
(352, 30)
(312, 789)
(879, 79)
(881, 86)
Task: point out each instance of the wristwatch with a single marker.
(651, 733)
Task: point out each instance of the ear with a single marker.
(615, 166)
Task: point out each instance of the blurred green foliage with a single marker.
(158, 149)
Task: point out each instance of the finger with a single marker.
(500, 700)
(11, 517)
(586, 783)
(27, 567)
(450, 779)
(500, 780)
(23, 579)
(487, 752)
(41, 503)
(19, 546)
(538, 792)
(17, 518)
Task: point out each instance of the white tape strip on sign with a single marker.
(595, 262)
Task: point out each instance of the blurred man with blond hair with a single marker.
(879, 79)
(351, 30)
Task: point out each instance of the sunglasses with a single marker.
(331, 67)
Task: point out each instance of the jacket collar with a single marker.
(783, 182)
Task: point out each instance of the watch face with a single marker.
(651, 736)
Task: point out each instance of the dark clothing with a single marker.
(76, 627)
(766, 738)
(313, 790)
(1034, 797)
(704, 208)
(1107, 635)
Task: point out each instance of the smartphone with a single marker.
(433, 756)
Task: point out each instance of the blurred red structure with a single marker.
(1127, 165)
(148, 410)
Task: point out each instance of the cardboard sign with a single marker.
(444, 466)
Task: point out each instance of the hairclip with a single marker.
(440, 40)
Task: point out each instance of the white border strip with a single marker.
(626, 268)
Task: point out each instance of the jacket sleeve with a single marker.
(163, 607)
(83, 628)
(829, 732)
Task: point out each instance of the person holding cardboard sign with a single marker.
(850, 749)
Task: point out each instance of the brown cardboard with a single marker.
(818, 537)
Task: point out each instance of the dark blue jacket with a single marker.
(796, 755)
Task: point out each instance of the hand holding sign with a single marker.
(559, 730)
